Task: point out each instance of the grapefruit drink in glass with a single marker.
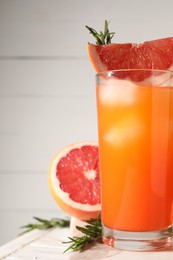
(135, 132)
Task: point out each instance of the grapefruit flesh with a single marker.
(74, 180)
(156, 54)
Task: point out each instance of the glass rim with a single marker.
(111, 72)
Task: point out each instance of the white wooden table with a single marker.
(47, 245)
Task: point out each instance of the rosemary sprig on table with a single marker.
(45, 224)
(92, 233)
(102, 37)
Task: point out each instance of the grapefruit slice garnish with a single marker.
(157, 54)
(104, 56)
(74, 180)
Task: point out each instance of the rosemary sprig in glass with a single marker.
(45, 224)
(104, 37)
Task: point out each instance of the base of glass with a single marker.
(138, 241)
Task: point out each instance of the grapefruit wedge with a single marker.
(104, 55)
(157, 54)
(74, 180)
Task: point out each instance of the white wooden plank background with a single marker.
(47, 93)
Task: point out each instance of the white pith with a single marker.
(65, 196)
(90, 175)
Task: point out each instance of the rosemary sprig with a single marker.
(92, 233)
(45, 224)
(102, 37)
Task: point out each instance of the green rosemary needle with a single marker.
(45, 224)
(102, 37)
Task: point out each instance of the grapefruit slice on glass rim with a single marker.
(74, 180)
(104, 55)
(156, 54)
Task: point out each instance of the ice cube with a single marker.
(116, 92)
(158, 78)
(124, 131)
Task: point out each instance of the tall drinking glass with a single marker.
(135, 132)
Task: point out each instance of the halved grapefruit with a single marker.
(104, 55)
(74, 180)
